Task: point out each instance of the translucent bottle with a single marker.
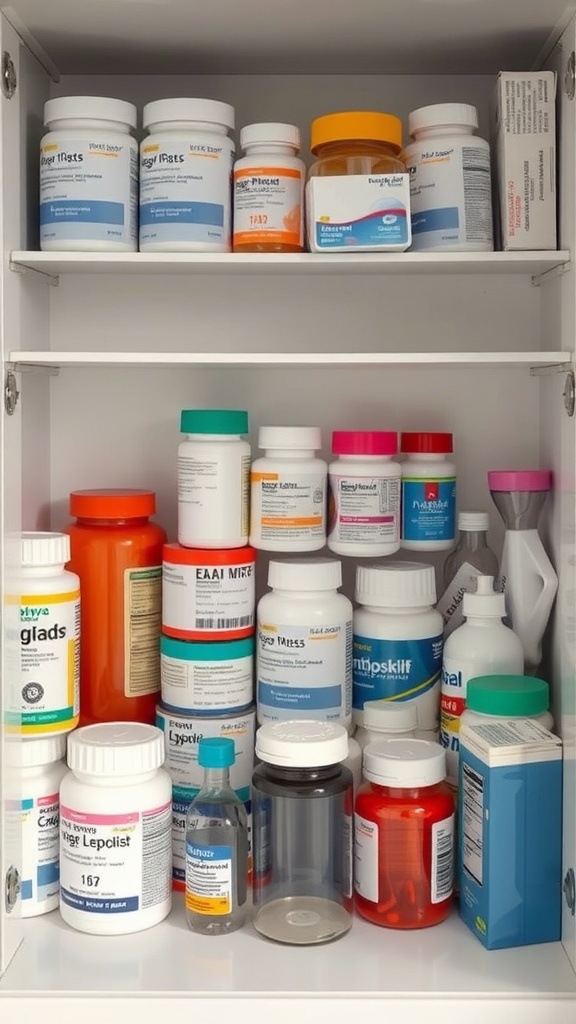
(470, 558)
(269, 190)
(216, 846)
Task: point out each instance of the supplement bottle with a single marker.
(483, 645)
(386, 720)
(397, 641)
(404, 835)
(43, 690)
(450, 190)
(89, 176)
(269, 190)
(207, 678)
(115, 830)
(470, 558)
(117, 553)
(304, 644)
(208, 595)
(288, 491)
(185, 176)
(213, 479)
(302, 807)
(364, 494)
(497, 698)
(357, 195)
(428, 492)
(35, 770)
(216, 846)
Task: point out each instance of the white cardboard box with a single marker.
(525, 150)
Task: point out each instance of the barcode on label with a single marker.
(442, 874)
(236, 623)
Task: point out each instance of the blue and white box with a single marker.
(359, 213)
(510, 832)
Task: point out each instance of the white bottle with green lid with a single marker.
(497, 698)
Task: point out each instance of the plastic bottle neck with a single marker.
(307, 594)
(382, 610)
(356, 147)
(472, 540)
(441, 131)
(133, 521)
(427, 456)
(364, 458)
(187, 126)
(87, 124)
(216, 778)
(294, 775)
(289, 453)
(31, 571)
(406, 792)
(265, 148)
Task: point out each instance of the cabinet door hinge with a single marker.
(569, 888)
(11, 888)
(9, 80)
(570, 76)
(569, 393)
(11, 393)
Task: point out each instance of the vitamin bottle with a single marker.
(470, 558)
(302, 814)
(386, 720)
(397, 644)
(269, 190)
(43, 690)
(89, 176)
(288, 491)
(500, 697)
(216, 846)
(208, 595)
(364, 494)
(185, 176)
(213, 479)
(428, 492)
(304, 643)
(115, 830)
(117, 553)
(35, 769)
(357, 196)
(450, 190)
(404, 835)
(207, 678)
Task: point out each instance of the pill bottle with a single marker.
(386, 720)
(450, 189)
(115, 830)
(470, 558)
(304, 643)
(185, 175)
(357, 195)
(500, 697)
(213, 479)
(288, 491)
(269, 190)
(397, 643)
(117, 553)
(43, 690)
(428, 492)
(364, 494)
(208, 595)
(302, 820)
(404, 835)
(207, 677)
(89, 176)
(35, 769)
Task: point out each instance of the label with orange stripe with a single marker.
(208, 879)
(268, 206)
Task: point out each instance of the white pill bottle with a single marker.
(450, 187)
(364, 494)
(428, 492)
(89, 176)
(269, 190)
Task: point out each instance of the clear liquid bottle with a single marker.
(470, 558)
(216, 846)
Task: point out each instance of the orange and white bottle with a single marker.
(269, 190)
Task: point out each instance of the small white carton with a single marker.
(359, 213)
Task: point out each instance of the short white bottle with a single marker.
(386, 720)
(288, 491)
(364, 493)
(269, 190)
(482, 646)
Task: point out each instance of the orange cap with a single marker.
(356, 125)
(112, 503)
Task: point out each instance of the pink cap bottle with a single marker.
(364, 494)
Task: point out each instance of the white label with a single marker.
(207, 685)
(208, 598)
(359, 212)
(288, 506)
(268, 206)
(115, 863)
(208, 879)
(142, 628)
(366, 858)
(39, 821)
(181, 799)
(213, 495)
(304, 671)
(45, 694)
(89, 190)
(450, 604)
(442, 872)
(364, 510)
(450, 194)
(181, 739)
(472, 822)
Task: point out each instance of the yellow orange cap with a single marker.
(356, 125)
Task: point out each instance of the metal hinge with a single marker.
(11, 393)
(570, 76)
(569, 393)
(9, 79)
(11, 888)
(569, 889)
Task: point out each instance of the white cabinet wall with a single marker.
(106, 350)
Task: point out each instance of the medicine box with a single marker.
(525, 151)
(359, 213)
(509, 832)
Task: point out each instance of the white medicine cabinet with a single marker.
(102, 351)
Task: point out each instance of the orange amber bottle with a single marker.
(117, 553)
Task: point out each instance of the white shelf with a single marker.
(54, 264)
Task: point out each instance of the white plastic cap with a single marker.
(396, 585)
(116, 748)
(305, 574)
(273, 132)
(443, 115)
(302, 744)
(37, 550)
(389, 716)
(307, 438)
(471, 522)
(485, 602)
(405, 762)
(33, 753)
(91, 108)
(203, 111)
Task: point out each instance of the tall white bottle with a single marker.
(482, 646)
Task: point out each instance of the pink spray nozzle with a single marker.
(520, 480)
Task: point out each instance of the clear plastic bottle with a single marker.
(216, 846)
(470, 558)
(269, 190)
